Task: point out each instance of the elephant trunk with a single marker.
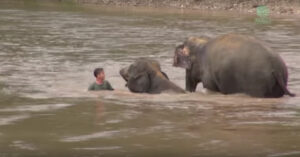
(124, 74)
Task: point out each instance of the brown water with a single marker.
(47, 55)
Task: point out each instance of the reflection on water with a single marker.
(47, 59)
(35, 108)
(11, 119)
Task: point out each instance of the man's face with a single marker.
(101, 76)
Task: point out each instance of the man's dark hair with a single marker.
(97, 71)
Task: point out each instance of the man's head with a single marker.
(99, 74)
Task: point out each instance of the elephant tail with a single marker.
(282, 85)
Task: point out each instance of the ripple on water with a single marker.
(23, 145)
(99, 148)
(12, 119)
(36, 108)
(104, 134)
(266, 114)
(287, 154)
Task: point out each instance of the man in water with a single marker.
(100, 83)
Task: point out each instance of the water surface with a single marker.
(47, 56)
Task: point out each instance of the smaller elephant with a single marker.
(145, 76)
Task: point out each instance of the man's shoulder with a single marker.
(108, 85)
(92, 86)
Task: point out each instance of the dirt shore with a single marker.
(275, 7)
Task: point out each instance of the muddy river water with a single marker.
(47, 56)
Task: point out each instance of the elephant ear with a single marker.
(139, 83)
(182, 57)
(185, 53)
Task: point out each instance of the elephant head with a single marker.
(184, 54)
(185, 57)
(145, 76)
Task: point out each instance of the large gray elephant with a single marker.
(145, 76)
(232, 63)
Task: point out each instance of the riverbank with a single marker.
(278, 7)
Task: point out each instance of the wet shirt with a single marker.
(104, 86)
